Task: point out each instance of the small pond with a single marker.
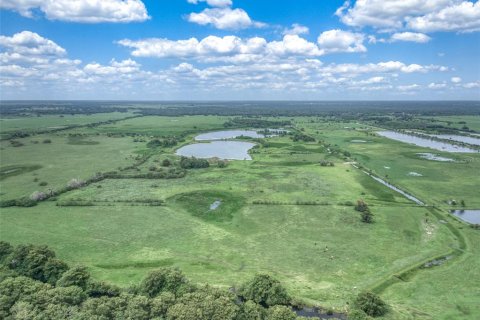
(215, 205)
(228, 134)
(470, 216)
(454, 137)
(424, 142)
(230, 150)
(434, 157)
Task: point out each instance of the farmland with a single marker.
(288, 212)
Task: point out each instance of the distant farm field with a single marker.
(288, 212)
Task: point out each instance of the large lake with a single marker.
(228, 134)
(230, 150)
(470, 216)
(423, 142)
(454, 137)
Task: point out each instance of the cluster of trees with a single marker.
(255, 123)
(302, 137)
(34, 284)
(366, 214)
(193, 163)
(168, 142)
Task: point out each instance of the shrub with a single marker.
(356, 314)
(265, 290)
(38, 196)
(222, 163)
(47, 141)
(43, 183)
(371, 304)
(166, 163)
(76, 183)
(25, 202)
(361, 206)
(367, 216)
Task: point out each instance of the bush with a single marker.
(361, 206)
(25, 202)
(166, 163)
(76, 183)
(43, 183)
(356, 314)
(371, 304)
(265, 290)
(47, 141)
(193, 163)
(367, 216)
(38, 196)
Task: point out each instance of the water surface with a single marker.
(424, 142)
(228, 134)
(454, 137)
(470, 216)
(434, 157)
(230, 150)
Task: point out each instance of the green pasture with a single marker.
(22, 169)
(52, 122)
(281, 213)
(394, 161)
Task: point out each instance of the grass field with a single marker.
(281, 213)
(49, 122)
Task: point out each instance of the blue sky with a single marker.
(240, 49)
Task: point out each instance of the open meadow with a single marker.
(116, 198)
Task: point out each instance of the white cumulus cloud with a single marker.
(30, 43)
(224, 18)
(85, 11)
(213, 3)
(418, 15)
(341, 41)
(411, 37)
(296, 29)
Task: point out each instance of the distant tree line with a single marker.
(255, 123)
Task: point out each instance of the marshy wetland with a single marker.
(151, 189)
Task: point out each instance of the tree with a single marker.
(5, 249)
(97, 289)
(280, 313)
(35, 262)
(204, 304)
(161, 280)
(265, 290)
(371, 304)
(77, 276)
(251, 311)
(53, 270)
